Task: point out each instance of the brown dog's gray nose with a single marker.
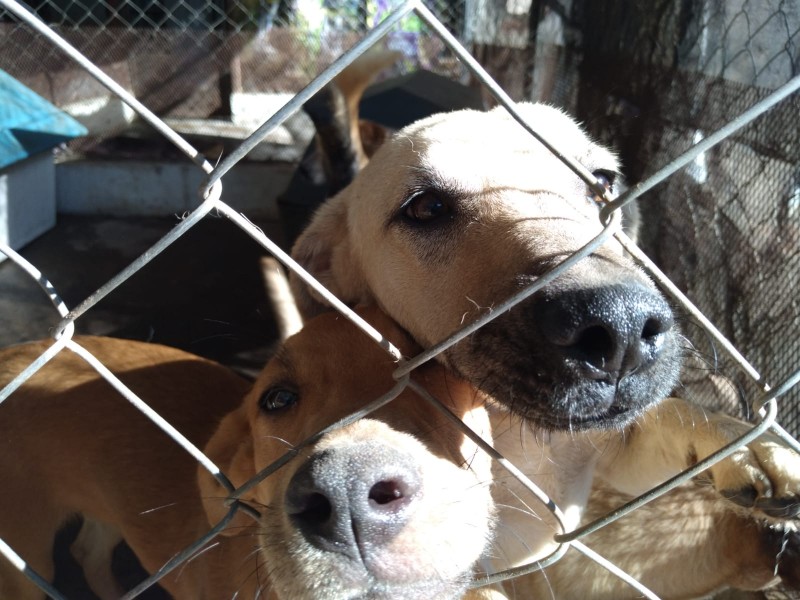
(349, 499)
(608, 332)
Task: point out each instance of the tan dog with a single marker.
(453, 216)
(395, 504)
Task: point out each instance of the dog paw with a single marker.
(763, 476)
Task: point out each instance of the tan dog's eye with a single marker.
(277, 398)
(606, 179)
(426, 207)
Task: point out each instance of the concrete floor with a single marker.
(203, 294)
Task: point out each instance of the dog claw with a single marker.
(763, 476)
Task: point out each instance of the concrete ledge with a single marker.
(27, 200)
(157, 188)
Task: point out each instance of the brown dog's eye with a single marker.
(277, 398)
(426, 207)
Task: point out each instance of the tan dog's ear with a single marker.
(231, 449)
(325, 250)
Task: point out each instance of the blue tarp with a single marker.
(29, 124)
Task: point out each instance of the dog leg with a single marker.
(93, 549)
(29, 521)
(763, 476)
(689, 531)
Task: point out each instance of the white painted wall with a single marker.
(27, 200)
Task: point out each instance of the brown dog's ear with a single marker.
(231, 449)
(325, 250)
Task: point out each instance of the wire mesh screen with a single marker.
(656, 78)
(201, 59)
(714, 242)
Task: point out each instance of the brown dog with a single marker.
(460, 211)
(395, 504)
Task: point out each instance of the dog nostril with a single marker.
(385, 492)
(595, 344)
(654, 327)
(604, 333)
(317, 509)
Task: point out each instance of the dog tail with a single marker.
(284, 307)
(343, 141)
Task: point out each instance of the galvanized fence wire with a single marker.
(211, 193)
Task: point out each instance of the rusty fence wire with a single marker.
(212, 193)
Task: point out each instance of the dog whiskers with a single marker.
(157, 508)
(262, 590)
(179, 572)
(511, 533)
(276, 438)
(525, 509)
(245, 535)
(615, 441)
(478, 307)
(216, 336)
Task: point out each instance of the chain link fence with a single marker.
(238, 61)
(724, 228)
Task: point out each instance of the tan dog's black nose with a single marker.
(352, 499)
(608, 332)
